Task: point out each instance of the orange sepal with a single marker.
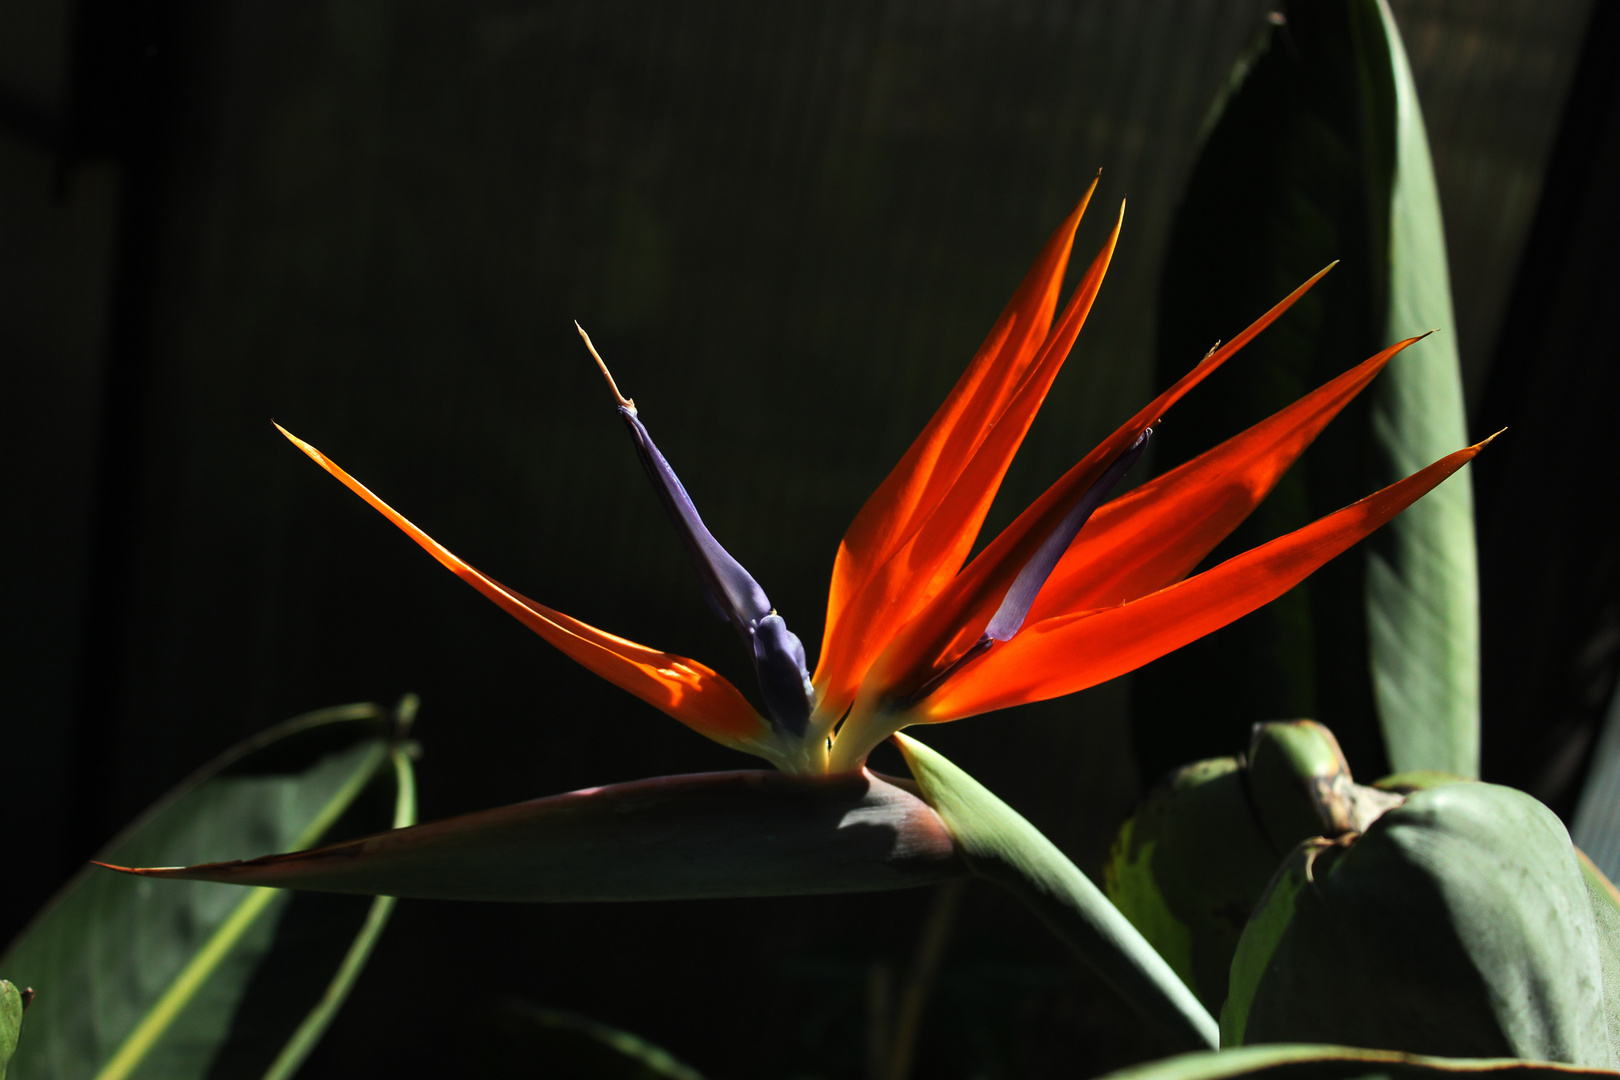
(954, 619)
(691, 692)
(908, 497)
(1155, 535)
(1069, 653)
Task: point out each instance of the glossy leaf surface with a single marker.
(191, 980)
(755, 833)
(1000, 845)
(1319, 153)
(1302, 1061)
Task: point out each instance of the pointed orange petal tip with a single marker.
(319, 457)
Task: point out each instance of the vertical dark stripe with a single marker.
(1549, 557)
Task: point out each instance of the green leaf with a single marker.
(754, 833)
(1318, 153)
(1190, 864)
(11, 1014)
(1423, 572)
(1606, 915)
(1000, 845)
(1300, 1061)
(193, 980)
(560, 1043)
(1458, 924)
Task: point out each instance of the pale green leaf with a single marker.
(1294, 1061)
(1003, 847)
(1422, 575)
(1318, 154)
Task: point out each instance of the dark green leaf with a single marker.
(1309, 1062)
(1000, 845)
(191, 980)
(1319, 153)
(1188, 867)
(756, 833)
(559, 1043)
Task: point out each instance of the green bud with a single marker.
(1190, 865)
(1300, 785)
(1458, 925)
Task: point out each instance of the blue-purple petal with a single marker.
(1009, 617)
(732, 588)
(778, 655)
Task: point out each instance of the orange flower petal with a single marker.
(1155, 535)
(691, 692)
(873, 574)
(954, 619)
(1072, 652)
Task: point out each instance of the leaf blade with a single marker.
(146, 982)
(1302, 1061)
(1001, 845)
(705, 835)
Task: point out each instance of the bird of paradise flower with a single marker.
(1076, 591)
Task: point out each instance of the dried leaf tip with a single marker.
(624, 402)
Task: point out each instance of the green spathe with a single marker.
(1458, 925)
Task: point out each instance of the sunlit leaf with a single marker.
(192, 980)
(11, 1013)
(1319, 153)
(1003, 847)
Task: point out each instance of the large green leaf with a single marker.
(1318, 153)
(1458, 924)
(11, 1013)
(195, 980)
(754, 833)
(1298, 1061)
(1000, 845)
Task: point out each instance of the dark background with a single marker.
(787, 226)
